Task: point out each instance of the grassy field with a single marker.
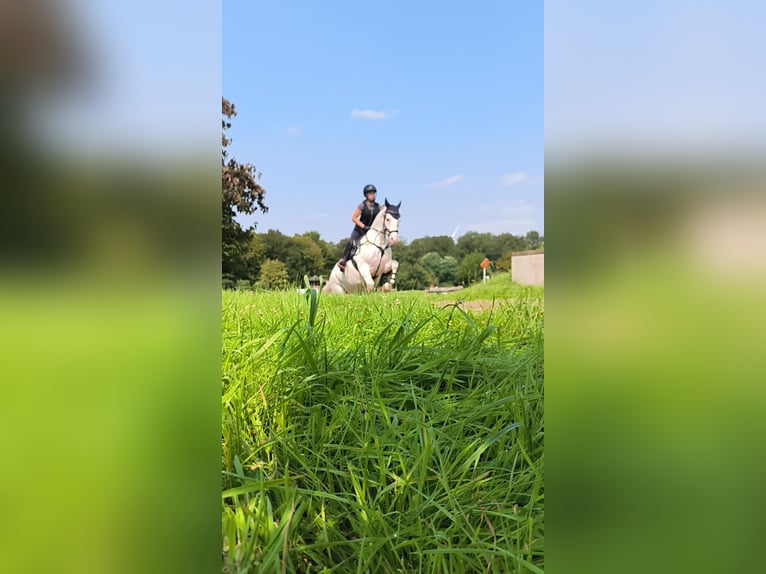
(498, 287)
(383, 432)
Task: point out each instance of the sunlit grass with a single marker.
(498, 286)
(381, 433)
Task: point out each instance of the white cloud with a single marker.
(294, 130)
(449, 181)
(519, 178)
(372, 114)
(515, 178)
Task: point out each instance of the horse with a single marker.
(372, 256)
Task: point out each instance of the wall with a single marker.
(527, 267)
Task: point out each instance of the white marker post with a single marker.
(484, 264)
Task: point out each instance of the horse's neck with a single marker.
(379, 226)
(379, 218)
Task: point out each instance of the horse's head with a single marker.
(391, 221)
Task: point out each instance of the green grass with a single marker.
(498, 286)
(381, 433)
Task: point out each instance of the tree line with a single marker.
(275, 260)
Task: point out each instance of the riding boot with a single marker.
(346, 256)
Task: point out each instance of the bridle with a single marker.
(385, 232)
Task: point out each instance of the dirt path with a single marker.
(477, 305)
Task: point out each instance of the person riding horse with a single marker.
(372, 264)
(363, 216)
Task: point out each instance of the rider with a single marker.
(363, 216)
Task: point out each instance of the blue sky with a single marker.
(660, 78)
(439, 105)
(153, 81)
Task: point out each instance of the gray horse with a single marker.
(372, 257)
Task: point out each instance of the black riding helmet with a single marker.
(368, 188)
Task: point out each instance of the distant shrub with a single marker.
(228, 283)
(470, 269)
(414, 276)
(273, 275)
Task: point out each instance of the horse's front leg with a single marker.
(391, 272)
(392, 279)
(394, 267)
(364, 271)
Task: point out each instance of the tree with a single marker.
(506, 242)
(431, 261)
(504, 263)
(276, 244)
(449, 270)
(404, 253)
(413, 276)
(240, 193)
(234, 250)
(445, 269)
(470, 268)
(330, 253)
(305, 258)
(256, 255)
(533, 240)
(273, 275)
(441, 244)
(327, 250)
(475, 242)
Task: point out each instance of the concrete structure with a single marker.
(434, 289)
(527, 267)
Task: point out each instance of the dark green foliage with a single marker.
(414, 276)
(470, 269)
(442, 244)
(273, 275)
(444, 269)
(240, 193)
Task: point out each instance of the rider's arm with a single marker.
(355, 218)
